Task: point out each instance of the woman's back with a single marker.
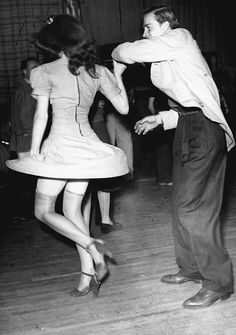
(71, 96)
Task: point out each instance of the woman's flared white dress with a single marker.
(72, 150)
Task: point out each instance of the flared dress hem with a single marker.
(107, 167)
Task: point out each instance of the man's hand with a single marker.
(148, 123)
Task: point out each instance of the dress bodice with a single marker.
(72, 97)
(71, 121)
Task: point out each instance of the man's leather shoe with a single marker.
(177, 279)
(204, 298)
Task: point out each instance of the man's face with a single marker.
(152, 28)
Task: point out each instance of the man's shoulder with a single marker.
(177, 36)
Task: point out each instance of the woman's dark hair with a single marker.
(164, 13)
(65, 33)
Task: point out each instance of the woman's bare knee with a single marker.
(39, 213)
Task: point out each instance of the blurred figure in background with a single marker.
(120, 134)
(22, 116)
(102, 188)
(163, 139)
(23, 110)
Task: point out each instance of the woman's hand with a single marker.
(31, 154)
(147, 123)
(34, 152)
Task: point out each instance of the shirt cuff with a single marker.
(169, 119)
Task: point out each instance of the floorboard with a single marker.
(39, 268)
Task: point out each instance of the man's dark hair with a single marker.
(164, 13)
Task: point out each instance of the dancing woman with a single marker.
(72, 153)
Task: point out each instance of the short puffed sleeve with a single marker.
(108, 84)
(40, 82)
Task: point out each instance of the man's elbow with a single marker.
(117, 53)
(120, 54)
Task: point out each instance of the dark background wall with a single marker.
(109, 22)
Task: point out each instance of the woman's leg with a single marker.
(86, 206)
(72, 204)
(46, 195)
(104, 204)
(45, 199)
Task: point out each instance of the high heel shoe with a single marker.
(94, 286)
(102, 271)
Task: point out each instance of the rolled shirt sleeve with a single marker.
(169, 119)
(156, 50)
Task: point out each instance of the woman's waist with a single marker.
(72, 129)
(71, 112)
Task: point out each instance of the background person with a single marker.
(102, 188)
(164, 140)
(22, 116)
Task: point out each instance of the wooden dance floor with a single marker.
(39, 268)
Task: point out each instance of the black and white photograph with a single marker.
(117, 175)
